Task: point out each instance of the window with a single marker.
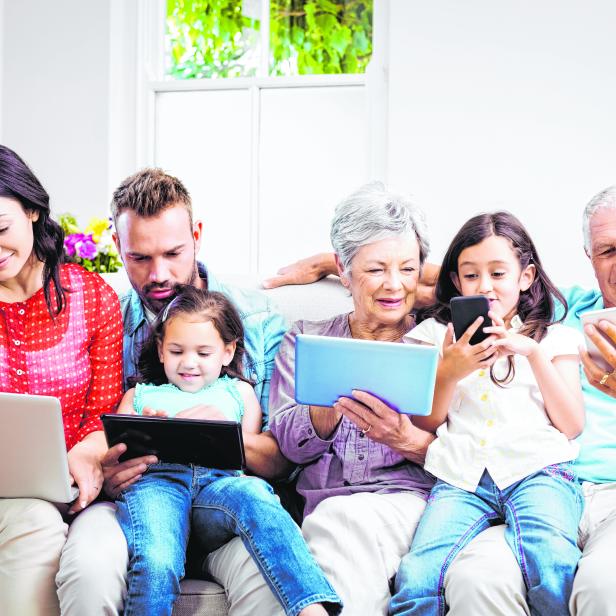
(225, 38)
(268, 121)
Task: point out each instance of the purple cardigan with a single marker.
(347, 462)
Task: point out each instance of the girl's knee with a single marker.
(159, 560)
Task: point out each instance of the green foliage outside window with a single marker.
(216, 38)
(320, 37)
(209, 38)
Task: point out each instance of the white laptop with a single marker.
(33, 460)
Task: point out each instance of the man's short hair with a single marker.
(605, 199)
(148, 192)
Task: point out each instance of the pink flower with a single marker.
(70, 241)
(85, 247)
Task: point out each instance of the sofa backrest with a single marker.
(317, 301)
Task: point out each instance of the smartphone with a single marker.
(464, 311)
(592, 317)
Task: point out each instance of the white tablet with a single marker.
(593, 316)
(32, 449)
(400, 374)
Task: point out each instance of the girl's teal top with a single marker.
(222, 393)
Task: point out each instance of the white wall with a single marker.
(491, 104)
(1, 62)
(505, 105)
(55, 96)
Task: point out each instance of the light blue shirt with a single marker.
(597, 459)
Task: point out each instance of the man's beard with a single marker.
(157, 305)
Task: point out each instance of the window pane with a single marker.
(307, 166)
(204, 139)
(212, 38)
(315, 37)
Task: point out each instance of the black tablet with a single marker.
(214, 444)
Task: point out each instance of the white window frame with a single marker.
(151, 16)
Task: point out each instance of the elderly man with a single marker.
(594, 591)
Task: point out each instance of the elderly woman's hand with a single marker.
(382, 424)
(602, 378)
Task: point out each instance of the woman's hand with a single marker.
(604, 379)
(509, 342)
(461, 358)
(84, 465)
(382, 424)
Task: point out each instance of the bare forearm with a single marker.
(263, 456)
(443, 395)
(564, 406)
(426, 288)
(324, 420)
(94, 442)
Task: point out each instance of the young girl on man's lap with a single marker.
(191, 366)
(504, 412)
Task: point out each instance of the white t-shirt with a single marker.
(502, 429)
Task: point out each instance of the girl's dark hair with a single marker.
(208, 306)
(18, 182)
(536, 304)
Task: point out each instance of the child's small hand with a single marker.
(202, 411)
(461, 358)
(509, 342)
(150, 412)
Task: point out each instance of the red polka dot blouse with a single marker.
(77, 357)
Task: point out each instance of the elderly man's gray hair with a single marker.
(605, 199)
(372, 214)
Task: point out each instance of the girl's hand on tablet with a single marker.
(202, 411)
(150, 412)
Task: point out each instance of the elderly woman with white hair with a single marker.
(361, 477)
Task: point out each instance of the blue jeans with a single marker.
(542, 513)
(172, 501)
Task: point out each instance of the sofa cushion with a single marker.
(201, 597)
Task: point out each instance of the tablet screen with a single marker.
(400, 374)
(213, 444)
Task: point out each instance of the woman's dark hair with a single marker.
(536, 304)
(18, 182)
(205, 305)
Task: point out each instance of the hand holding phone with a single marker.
(464, 312)
(593, 317)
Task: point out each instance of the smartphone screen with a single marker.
(464, 311)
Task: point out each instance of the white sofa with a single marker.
(315, 302)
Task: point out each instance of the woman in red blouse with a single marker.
(60, 335)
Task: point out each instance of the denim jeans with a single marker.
(172, 501)
(542, 513)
